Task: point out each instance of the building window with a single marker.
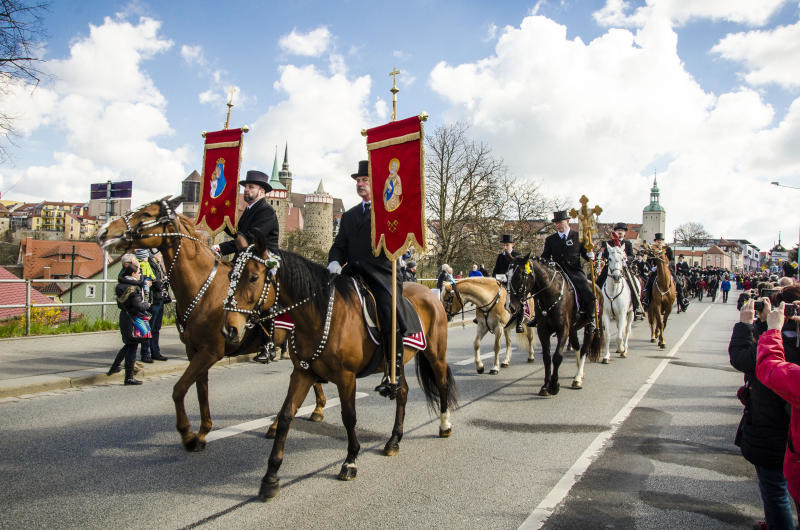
(89, 291)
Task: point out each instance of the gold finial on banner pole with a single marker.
(394, 90)
(230, 104)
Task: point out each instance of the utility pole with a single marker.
(71, 276)
(105, 253)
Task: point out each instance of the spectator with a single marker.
(763, 429)
(783, 377)
(130, 300)
(475, 272)
(459, 275)
(410, 272)
(726, 288)
(483, 270)
(445, 275)
(153, 271)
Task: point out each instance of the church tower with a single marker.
(654, 215)
(318, 218)
(278, 198)
(284, 174)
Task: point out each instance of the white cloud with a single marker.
(592, 118)
(491, 33)
(110, 113)
(771, 56)
(29, 106)
(311, 44)
(754, 13)
(193, 54)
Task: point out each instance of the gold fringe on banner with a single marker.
(393, 141)
(222, 145)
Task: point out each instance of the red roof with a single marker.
(14, 293)
(37, 254)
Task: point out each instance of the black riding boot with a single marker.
(386, 388)
(267, 353)
(520, 328)
(129, 366)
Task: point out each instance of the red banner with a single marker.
(220, 182)
(397, 180)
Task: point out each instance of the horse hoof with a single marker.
(543, 392)
(317, 417)
(503, 365)
(553, 389)
(348, 472)
(194, 445)
(445, 433)
(652, 340)
(271, 432)
(662, 346)
(577, 385)
(623, 354)
(604, 361)
(531, 360)
(480, 370)
(268, 490)
(494, 372)
(391, 448)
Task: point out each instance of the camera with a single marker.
(789, 310)
(758, 306)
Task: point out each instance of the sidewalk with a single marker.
(53, 362)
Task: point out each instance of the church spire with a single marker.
(286, 158)
(274, 181)
(284, 174)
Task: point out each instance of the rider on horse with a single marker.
(504, 260)
(352, 247)
(565, 249)
(258, 215)
(658, 243)
(620, 229)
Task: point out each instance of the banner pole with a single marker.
(394, 321)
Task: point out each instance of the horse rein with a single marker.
(449, 304)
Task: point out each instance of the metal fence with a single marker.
(96, 301)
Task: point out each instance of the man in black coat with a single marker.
(258, 214)
(658, 242)
(505, 258)
(621, 229)
(764, 427)
(353, 247)
(565, 248)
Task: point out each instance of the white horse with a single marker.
(617, 303)
(489, 298)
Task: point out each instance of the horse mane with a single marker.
(311, 280)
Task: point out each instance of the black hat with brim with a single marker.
(507, 238)
(560, 215)
(257, 177)
(658, 237)
(620, 226)
(363, 169)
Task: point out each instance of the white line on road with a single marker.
(252, 425)
(545, 509)
(471, 360)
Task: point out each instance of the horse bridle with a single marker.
(448, 305)
(255, 316)
(525, 296)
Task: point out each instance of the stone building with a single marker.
(318, 217)
(654, 216)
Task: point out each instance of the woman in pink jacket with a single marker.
(784, 379)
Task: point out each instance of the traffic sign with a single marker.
(119, 190)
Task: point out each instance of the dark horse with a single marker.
(331, 343)
(199, 281)
(712, 287)
(556, 313)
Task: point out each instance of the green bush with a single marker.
(16, 327)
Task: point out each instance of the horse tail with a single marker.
(428, 382)
(598, 340)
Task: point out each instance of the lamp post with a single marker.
(776, 183)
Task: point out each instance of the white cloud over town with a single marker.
(311, 44)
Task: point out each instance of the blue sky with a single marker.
(583, 96)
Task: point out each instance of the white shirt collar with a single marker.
(564, 235)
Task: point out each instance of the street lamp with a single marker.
(776, 183)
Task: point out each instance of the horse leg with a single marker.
(480, 332)
(498, 336)
(392, 447)
(651, 319)
(347, 395)
(554, 386)
(621, 323)
(507, 334)
(199, 363)
(577, 381)
(316, 416)
(544, 340)
(628, 324)
(201, 385)
(299, 385)
(663, 344)
(529, 338)
(606, 324)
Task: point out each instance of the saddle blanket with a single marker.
(415, 340)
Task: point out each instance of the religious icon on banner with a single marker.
(393, 187)
(221, 161)
(218, 181)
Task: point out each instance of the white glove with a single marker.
(334, 267)
(215, 248)
(590, 254)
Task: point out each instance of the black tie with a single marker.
(366, 208)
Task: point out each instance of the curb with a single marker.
(11, 388)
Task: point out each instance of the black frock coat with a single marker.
(260, 215)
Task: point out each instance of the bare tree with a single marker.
(20, 31)
(691, 234)
(463, 199)
(529, 210)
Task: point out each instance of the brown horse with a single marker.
(199, 281)
(662, 296)
(332, 343)
(489, 298)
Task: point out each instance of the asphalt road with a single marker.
(646, 444)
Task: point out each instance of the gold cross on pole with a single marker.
(394, 90)
(588, 221)
(230, 104)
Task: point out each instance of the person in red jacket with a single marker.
(783, 378)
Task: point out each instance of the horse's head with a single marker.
(451, 299)
(519, 282)
(250, 292)
(616, 262)
(140, 228)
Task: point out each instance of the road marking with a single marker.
(252, 425)
(545, 509)
(471, 360)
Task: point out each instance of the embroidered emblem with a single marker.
(392, 187)
(218, 181)
(392, 225)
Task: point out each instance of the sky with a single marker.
(591, 97)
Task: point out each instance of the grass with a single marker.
(16, 328)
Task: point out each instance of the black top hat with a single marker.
(257, 177)
(680, 255)
(560, 215)
(507, 238)
(658, 236)
(620, 226)
(363, 169)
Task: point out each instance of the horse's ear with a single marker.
(259, 241)
(175, 202)
(528, 256)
